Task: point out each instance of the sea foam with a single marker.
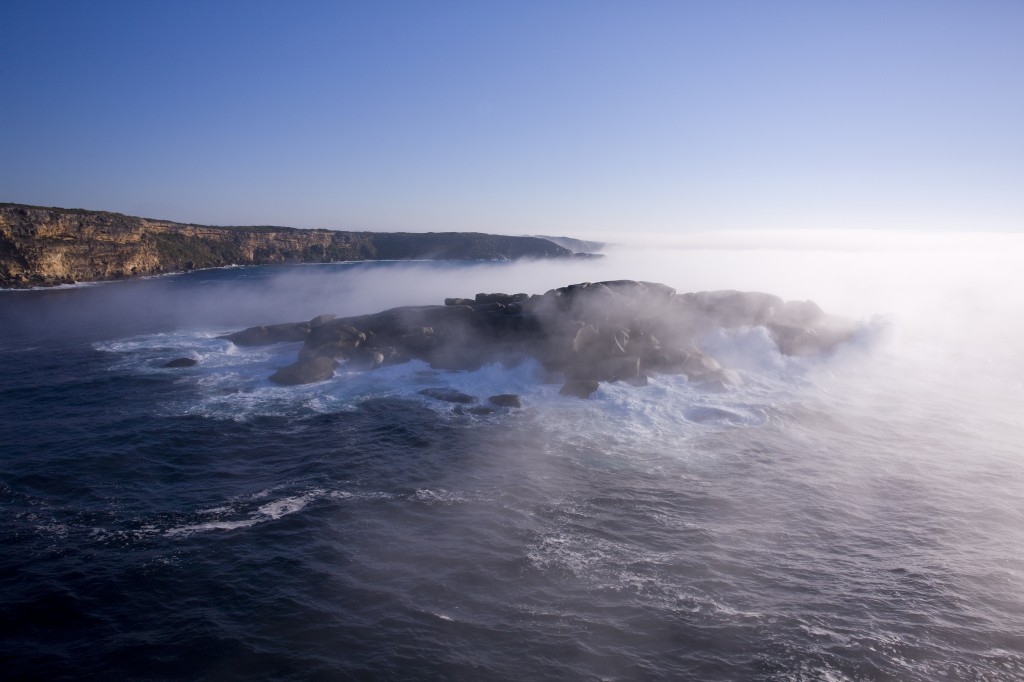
(230, 383)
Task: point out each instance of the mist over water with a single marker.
(853, 516)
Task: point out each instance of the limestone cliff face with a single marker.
(50, 246)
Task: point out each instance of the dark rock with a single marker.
(581, 388)
(333, 339)
(449, 395)
(552, 377)
(492, 307)
(395, 322)
(667, 361)
(265, 335)
(182, 362)
(643, 344)
(616, 369)
(699, 366)
(306, 371)
(506, 400)
(639, 380)
(809, 340)
(587, 336)
(620, 330)
(367, 359)
(333, 331)
(501, 298)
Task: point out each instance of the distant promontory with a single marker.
(42, 247)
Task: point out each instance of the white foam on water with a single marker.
(744, 348)
(439, 496)
(148, 354)
(266, 512)
(264, 507)
(233, 383)
(620, 566)
(58, 287)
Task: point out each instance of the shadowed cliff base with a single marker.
(581, 334)
(42, 247)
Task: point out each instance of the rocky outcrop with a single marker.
(506, 400)
(584, 333)
(449, 395)
(50, 246)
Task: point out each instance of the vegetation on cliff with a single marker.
(48, 246)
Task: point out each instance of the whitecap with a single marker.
(711, 414)
(232, 383)
(269, 511)
(440, 496)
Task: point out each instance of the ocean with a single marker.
(853, 516)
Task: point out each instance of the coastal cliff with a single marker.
(50, 246)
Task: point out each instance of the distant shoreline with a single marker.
(44, 247)
(88, 285)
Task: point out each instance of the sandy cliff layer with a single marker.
(50, 246)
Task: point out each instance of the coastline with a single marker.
(43, 247)
(236, 266)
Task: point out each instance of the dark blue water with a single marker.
(854, 517)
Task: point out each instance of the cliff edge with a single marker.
(49, 246)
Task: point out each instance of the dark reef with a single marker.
(582, 334)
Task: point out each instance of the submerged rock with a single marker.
(506, 400)
(583, 334)
(182, 362)
(449, 395)
(479, 410)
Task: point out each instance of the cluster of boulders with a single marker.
(581, 334)
(466, 403)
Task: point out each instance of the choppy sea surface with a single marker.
(857, 516)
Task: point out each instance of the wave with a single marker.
(226, 518)
(231, 383)
(58, 287)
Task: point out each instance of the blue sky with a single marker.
(520, 117)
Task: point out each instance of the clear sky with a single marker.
(518, 116)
